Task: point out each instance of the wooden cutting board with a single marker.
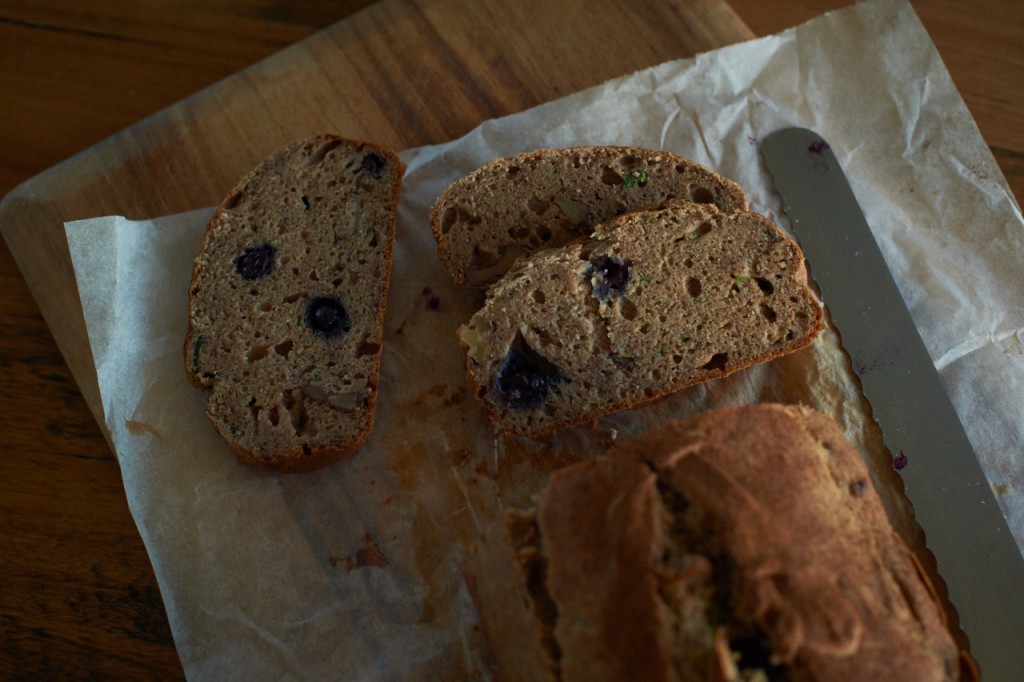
(402, 73)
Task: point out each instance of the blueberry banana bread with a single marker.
(652, 302)
(514, 206)
(287, 300)
(744, 544)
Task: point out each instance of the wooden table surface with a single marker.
(78, 598)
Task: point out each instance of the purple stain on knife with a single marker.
(899, 461)
(818, 147)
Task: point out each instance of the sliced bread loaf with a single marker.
(743, 544)
(514, 206)
(287, 300)
(652, 302)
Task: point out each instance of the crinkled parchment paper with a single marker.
(353, 572)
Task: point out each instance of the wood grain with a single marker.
(84, 601)
(95, 78)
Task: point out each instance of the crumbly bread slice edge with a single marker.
(296, 459)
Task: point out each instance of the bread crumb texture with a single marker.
(286, 303)
(744, 544)
(515, 206)
(652, 302)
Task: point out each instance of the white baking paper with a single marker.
(354, 572)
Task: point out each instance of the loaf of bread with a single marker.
(743, 544)
(287, 300)
(514, 206)
(652, 302)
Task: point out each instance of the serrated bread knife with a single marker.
(964, 528)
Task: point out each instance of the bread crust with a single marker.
(276, 185)
(763, 521)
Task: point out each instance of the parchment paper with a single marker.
(354, 572)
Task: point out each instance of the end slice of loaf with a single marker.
(652, 302)
(742, 544)
(287, 302)
(512, 207)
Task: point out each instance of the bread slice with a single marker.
(743, 544)
(654, 301)
(514, 206)
(287, 301)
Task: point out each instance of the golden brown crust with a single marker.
(745, 538)
(513, 206)
(310, 401)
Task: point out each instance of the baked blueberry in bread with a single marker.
(512, 207)
(287, 300)
(652, 302)
(743, 544)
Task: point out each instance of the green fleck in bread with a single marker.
(746, 544)
(652, 302)
(514, 206)
(287, 301)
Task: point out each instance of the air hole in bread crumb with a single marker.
(324, 149)
(610, 177)
(266, 306)
(284, 348)
(702, 195)
(368, 348)
(688, 263)
(768, 313)
(297, 414)
(256, 353)
(512, 171)
(538, 296)
(629, 310)
(693, 286)
(448, 219)
(538, 205)
(292, 298)
(717, 361)
(544, 233)
(274, 415)
(232, 201)
(678, 359)
(764, 285)
(701, 230)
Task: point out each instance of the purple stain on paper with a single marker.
(899, 461)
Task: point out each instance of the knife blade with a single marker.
(965, 530)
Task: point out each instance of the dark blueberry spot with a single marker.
(818, 147)
(900, 461)
(256, 261)
(327, 317)
(373, 165)
(608, 276)
(526, 377)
